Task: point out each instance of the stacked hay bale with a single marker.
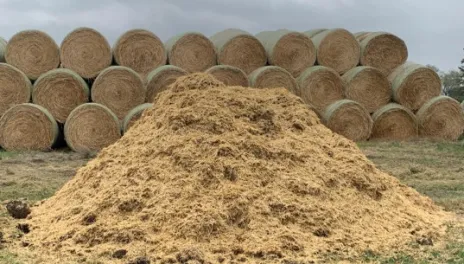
(361, 85)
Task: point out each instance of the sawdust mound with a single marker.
(210, 175)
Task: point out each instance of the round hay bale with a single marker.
(414, 84)
(3, 44)
(314, 32)
(273, 77)
(159, 80)
(383, 51)
(290, 50)
(229, 75)
(441, 118)
(134, 115)
(394, 122)
(349, 119)
(337, 49)
(140, 50)
(33, 52)
(120, 89)
(320, 86)
(85, 51)
(192, 52)
(91, 127)
(28, 127)
(60, 91)
(15, 87)
(367, 86)
(240, 49)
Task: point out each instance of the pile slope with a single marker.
(215, 174)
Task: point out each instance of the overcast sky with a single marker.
(433, 30)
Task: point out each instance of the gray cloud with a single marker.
(432, 30)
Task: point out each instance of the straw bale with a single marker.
(191, 51)
(290, 50)
(349, 119)
(394, 122)
(367, 86)
(120, 89)
(28, 127)
(273, 77)
(229, 75)
(60, 91)
(320, 86)
(85, 51)
(91, 127)
(33, 52)
(314, 32)
(134, 115)
(441, 118)
(3, 43)
(159, 80)
(15, 87)
(238, 48)
(140, 50)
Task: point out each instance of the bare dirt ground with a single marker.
(435, 169)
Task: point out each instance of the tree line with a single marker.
(452, 81)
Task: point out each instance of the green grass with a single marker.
(8, 258)
(5, 154)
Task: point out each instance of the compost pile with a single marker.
(214, 174)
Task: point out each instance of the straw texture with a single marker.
(291, 50)
(441, 118)
(60, 91)
(91, 127)
(134, 115)
(85, 51)
(140, 50)
(320, 86)
(159, 80)
(238, 48)
(191, 51)
(414, 84)
(15, 87)
(120, 89)
(33, 52)
(229, 75)
(337, 49)
(394, 122)
(367, 86)
(349, 119)
(273, 77)
(28, 127)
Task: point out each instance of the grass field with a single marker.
(435, 169)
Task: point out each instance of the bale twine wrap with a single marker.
(320, 86)
(314, 32)
(91, 127)
(414, 84)
(140, 50)
(15, 87)
(273, 77)
(85, 51)
(240, 49)
(28, 127)
(383, 51)
(367, 86)
(33, 52)
(191, 51)
(349, 119)
(441, 118)
(60, 91)
(394, 122)
(290, 50)
(361, 35)
(120, 89)
(337, 49)
(159, 80)
(134, 115)
(3, 44)
(229, 75)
